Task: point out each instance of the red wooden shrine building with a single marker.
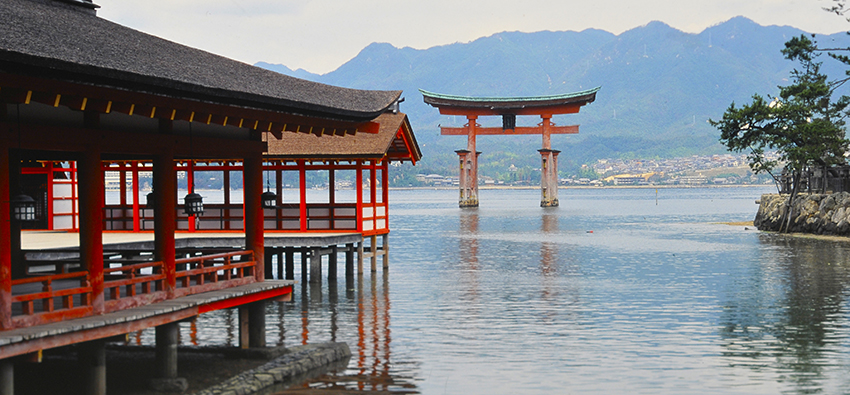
(508, 108)
(81, 97)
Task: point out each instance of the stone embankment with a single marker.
(287, 369)
(827, 214)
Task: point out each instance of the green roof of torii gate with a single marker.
(506, 103)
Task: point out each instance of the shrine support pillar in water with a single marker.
(549, 178)
(548, 165)
(468, 175)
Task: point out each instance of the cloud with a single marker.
(320, 35)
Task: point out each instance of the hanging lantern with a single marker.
(23, 208)
(269, 199)
(194, 204)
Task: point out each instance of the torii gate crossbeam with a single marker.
(508, 108)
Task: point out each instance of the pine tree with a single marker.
(803, 124)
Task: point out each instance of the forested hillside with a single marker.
(659, 87)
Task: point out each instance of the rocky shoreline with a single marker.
(294, 366)
(207, 370)
(822, 214)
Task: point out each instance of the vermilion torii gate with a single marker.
(508, 108)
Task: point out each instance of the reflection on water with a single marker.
(789, 315)
(511, 298)
(371, 368)
(467, 253)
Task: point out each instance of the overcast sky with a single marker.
(321, 35)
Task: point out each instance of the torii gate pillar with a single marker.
(549, 177)
(468, 175)
(548, 166)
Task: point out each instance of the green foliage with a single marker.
(588, 172)
(802, 124)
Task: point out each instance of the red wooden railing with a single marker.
(125, 286)
(139, 289)
(49, 312)
(211, 272)
(321, 217)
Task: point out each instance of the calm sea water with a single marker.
(617, 291)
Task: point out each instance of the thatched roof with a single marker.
(395, 140)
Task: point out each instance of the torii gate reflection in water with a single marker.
(508, 108)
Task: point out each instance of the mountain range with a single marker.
(659, 86)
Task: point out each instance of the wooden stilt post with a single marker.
(332, 264)
(385, 244)
(373, 247)
(349, 260)
(92, 357)
(278, 252)
(166, 350)
(268, 264)
(290, 263)
(304, 257)
(244, 333)
(166, 380)
(360, 257)
(316, 266)
(7, 377)
(257, 324)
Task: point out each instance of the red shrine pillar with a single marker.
(468, 177)
(548, 167)
(165, 217)
(5, 240)
(253, 208)
(91, 189)
(252, 316)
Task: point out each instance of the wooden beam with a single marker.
(217, 119)
(35, 345)
(480, 111)
(23, 89)
(462, 131)
(54, 138)
(13, 95)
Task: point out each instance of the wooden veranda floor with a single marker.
(31, 339)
